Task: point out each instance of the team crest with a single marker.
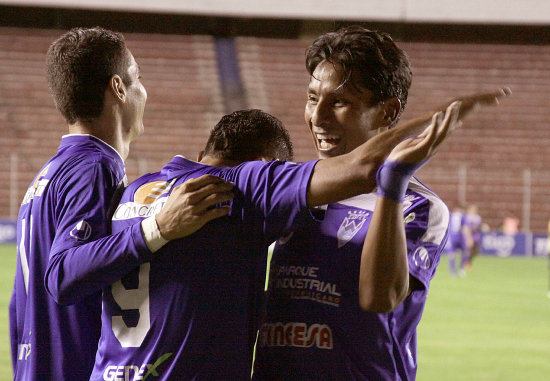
(148, 193)
(82, 231)
(350, 226)
(409, 200)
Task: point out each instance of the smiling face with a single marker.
(340, 117)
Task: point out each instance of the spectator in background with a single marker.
(473, 226)
(510, 224)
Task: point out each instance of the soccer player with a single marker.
(457, 241)
(473, 224)
(63, 222)
(348, 286)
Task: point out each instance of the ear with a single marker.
(116, 85)
(200, 156)
(390, 108)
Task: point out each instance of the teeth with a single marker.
(326, 136)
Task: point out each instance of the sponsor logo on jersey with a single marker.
(301, 282)
(37, 187)
(350, 226)
(82, 231)
(422, 258)
(134, 372)
(147, 201)
(296, 334)
(150, 192)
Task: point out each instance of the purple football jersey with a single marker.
(473, 221)
(315, 329)
(64, 211)
(191, 313)
(457, 240)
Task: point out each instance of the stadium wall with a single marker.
(483, 163)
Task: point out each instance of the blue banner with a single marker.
(8, 231)
(505, 245)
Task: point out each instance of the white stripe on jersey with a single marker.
(438, 219)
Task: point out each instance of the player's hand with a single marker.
(469, 103)
(189, 206)
(418, 149)
(475, 101)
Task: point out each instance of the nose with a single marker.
(319, 113)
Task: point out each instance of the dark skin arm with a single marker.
(384, 280)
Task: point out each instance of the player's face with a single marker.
(340, 117)
(136, 98)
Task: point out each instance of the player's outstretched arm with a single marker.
(384, 280)
(79, 271)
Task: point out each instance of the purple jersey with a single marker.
(192, 312)
(64, 210)
(473, 222)
(315, 329)
(457, 240)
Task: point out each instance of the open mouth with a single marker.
(327, 142)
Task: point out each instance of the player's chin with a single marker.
(332, 151)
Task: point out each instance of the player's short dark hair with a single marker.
(79, 65)
(248, 135)
(370, 59)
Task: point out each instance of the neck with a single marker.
(216, 161)
(105, 132)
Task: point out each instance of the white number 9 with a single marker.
(132, 299)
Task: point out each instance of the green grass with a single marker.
(8, 259)
(492, 325)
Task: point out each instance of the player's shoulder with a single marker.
(418, 193)
(428, 210)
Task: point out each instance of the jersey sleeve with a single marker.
(14, 340)
(84, 258)
(426, 229)
(277, 189)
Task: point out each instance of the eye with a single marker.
(338, 102)
(311, 99)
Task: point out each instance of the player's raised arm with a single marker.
(384, 274)
(384, 280)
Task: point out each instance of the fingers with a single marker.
(449, 123)
(415, 126)
(196, 191)
(442, 124)
(190, 206)
(212, 214)
(473, 102)
(204, 180)
(212, 200)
